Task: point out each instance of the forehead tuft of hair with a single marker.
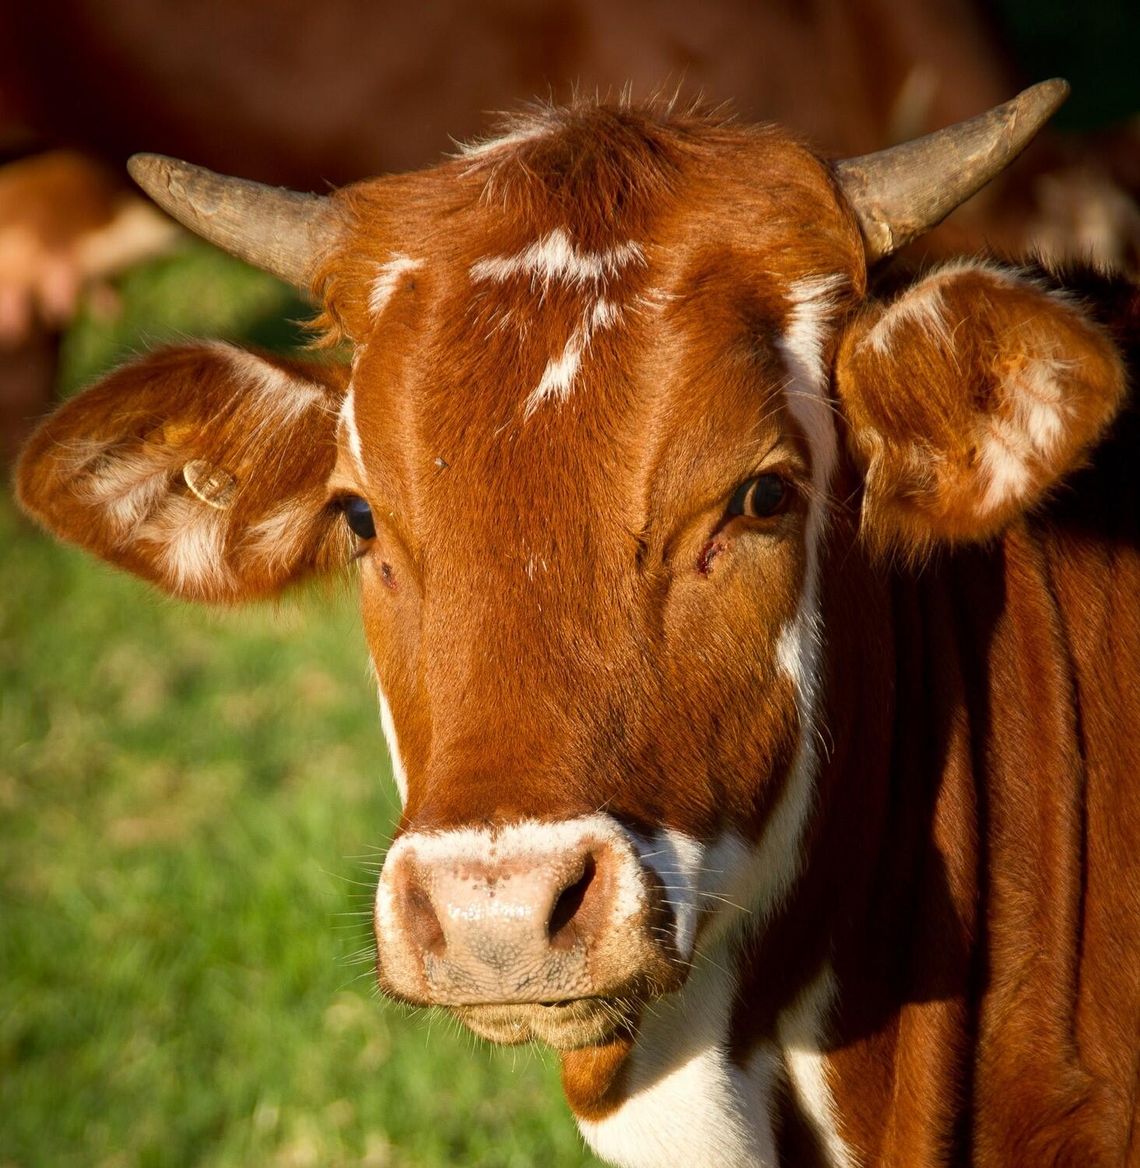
(606, 171)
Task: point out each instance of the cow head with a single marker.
(619, 400)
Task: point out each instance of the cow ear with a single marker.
(966, 399)
(201, 468)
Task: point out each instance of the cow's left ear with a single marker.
(201, 468)
(967, 398)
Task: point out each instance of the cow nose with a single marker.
(500, 911)
(468, 920)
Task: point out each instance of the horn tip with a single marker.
(148, 170)
(1048, 96)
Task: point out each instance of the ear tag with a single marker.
(214, 486)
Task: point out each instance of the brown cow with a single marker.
(803, 845)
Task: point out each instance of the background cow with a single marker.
(796, 851)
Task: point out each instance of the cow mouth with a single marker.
(566, 1025)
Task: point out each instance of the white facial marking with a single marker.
(389, 728)
(555, 258)
(558, 376)
(800, 1030)
(388, 277)
(799, 647)
(348, 422)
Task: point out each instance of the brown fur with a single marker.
(564, 619)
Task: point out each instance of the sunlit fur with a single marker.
(864, 771)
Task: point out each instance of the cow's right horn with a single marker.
(900, 193)
(279, 231)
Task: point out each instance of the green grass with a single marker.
(192, 810)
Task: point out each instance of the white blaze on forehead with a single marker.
(558, 377)
(555, 258)
(388, 276)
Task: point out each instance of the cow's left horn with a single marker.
(899, 193)
(279, 231)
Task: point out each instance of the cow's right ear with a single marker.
(201, 468)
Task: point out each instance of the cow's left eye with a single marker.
(760, 498)
(358, 516)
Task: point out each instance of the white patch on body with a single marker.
(388, 277)
(800, 1030)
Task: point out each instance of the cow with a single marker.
(754, 624)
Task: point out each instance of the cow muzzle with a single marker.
(532, 930)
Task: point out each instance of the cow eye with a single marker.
(760, 498)
(358, 515)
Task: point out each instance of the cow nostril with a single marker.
(563, 928)
(422, 922)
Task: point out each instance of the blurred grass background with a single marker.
(193, 807)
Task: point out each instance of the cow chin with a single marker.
(561, 1025)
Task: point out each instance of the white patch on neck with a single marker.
(688, 1103)
(554, 257)
(558, 376)
(800, 1029)
(388, 277)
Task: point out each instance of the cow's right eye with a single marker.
(358, 515)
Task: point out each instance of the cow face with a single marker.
(610, 377)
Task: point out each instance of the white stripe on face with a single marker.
(348, 422)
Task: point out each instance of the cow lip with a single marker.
(563, 1025)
